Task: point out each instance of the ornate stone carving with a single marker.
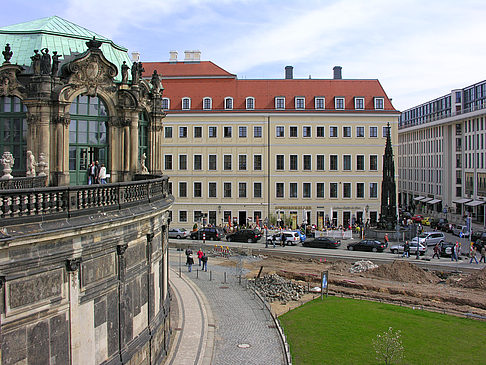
(126, 100)
(119, 122)
(8, 80)
(61, 119)
(32, 119)
(31, 164)
(42, 164)
(73, 264)
(142, 164)
(7, 161)
(7, 54)
(120, 249)
(2, 282)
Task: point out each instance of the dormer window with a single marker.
(228, 103)
(320, 103)
(186, 103)
(250, 103)
(339, 103)
(359, 103)
(279, 102)
(207, 103)
(165, 103)
(299, 102)
(379, 103)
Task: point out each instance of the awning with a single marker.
(434, 201)
(462, 201)
(419, 198)
(426, 200)
(475, 203)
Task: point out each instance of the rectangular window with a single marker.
(168, 162)
(320, 162)
(293, 190)
(333, 190)
(227, 132)
(373, 132)
(228, 103)
(339, 103)
(227, 162)
(186, 104)
(360, 163)
(242, 132)
(170, 187)
(280, 131)
(168, 132)
(384, 132)
(306, 190)
(279, 190)
(293, 162)
(320, 190)
(373, 190)
(227, 190)
(212, 188)
(360, 132)
(373, 162)
(197, 162)
(333, 132)
(241, 162)
(182, 216)
(165, 103)
(319, 103)
(280, 162)
(257, 162)
(182, 162)
(197, 132)
(299, 103)
(197, 190)
(359, 103)
(347, 162)
(360, 190)
(346, 190)
(347, 132)
(321, 131)
(379, 103)
(212, 132)
(242, 190)
(182, 190)
(279, 103)
(257, 131)
(306, 131)
(250, 103)
(333, 162)
(307, 162)
(257, 189)
(212, 162)
(293, 132)
(182, 132)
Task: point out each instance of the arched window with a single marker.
(88, 140)
(13, 131)
(143, 136)
(186, 103)
(207, 103)
(165, 103)
(228, 103)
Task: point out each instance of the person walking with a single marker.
(406, 249)
(92, 173)
(204, 260)
(386, 239)
(436, 251)
(454, 252)
(188, 253)
(283, 240)
(189, 262)
(483, 253)
(472, 254)
(199, 256)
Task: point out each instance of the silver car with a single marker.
(430, 238)
(413, 248)
(178, 233)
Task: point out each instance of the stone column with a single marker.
(134, 159)
(126, 151)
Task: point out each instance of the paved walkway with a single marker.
(238, 329)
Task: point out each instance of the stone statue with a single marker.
(140, 70)
(156, 83)
(30, 164)
(135, 78)
(36, 62)
(45, 64)
(42, 164)
(7, 161)
(7, 54)
(55, 63)
(142, 163)
(124, 72)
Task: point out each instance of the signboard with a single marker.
(324, 279)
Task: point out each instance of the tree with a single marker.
(388, 346)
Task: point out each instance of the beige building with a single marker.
(293, 150)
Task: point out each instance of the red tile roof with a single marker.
(185, 69)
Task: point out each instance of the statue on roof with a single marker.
(55, 63)
(7, 54)
(156, 83)
(124, 72)
(36, 62)
(140, 70)
(45, 64)
(135, 78)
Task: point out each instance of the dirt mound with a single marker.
(339, 266)
(476, 280)
(403, 271)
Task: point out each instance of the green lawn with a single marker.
(340, 331)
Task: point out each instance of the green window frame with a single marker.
(13, 131)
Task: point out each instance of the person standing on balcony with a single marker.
(102, 174)
(92, 173)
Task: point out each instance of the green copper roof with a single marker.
(59, 35)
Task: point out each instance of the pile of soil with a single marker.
(403, 271)
(476, 280)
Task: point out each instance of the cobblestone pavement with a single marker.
(245, 332)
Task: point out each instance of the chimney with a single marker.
(289, 72)
(173, 56)
(135, 56)
(192, 56)
(337, 72)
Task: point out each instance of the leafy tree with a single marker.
(388, 347)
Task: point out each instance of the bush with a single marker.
(388, 346)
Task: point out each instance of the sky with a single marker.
(419, 50)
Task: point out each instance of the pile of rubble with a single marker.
(362, 266)
(276, 288)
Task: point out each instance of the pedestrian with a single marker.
(189, 262)
(406, 249)
(199, 256)
(204, 260)
(483, 253)
(97, 173)
(102, 174)
(274, 238)
(386, 239)
(436, 251)
(472, 254)
(92, 173)
(454, 252)
(283, 240)
(188, 253)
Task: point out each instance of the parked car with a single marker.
(302, 236)
(426, 221)
(417, 218)
(322, 242)
(367, 245)
(291, 238)
(413, 248)
(244, 235)
(440, 224)
(457, 230)
(446, 249)
(430, 238)
(179, 233)
(211, 234)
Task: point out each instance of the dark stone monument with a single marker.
(388, 215)
(7, 54)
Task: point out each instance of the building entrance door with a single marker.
(241, 218)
